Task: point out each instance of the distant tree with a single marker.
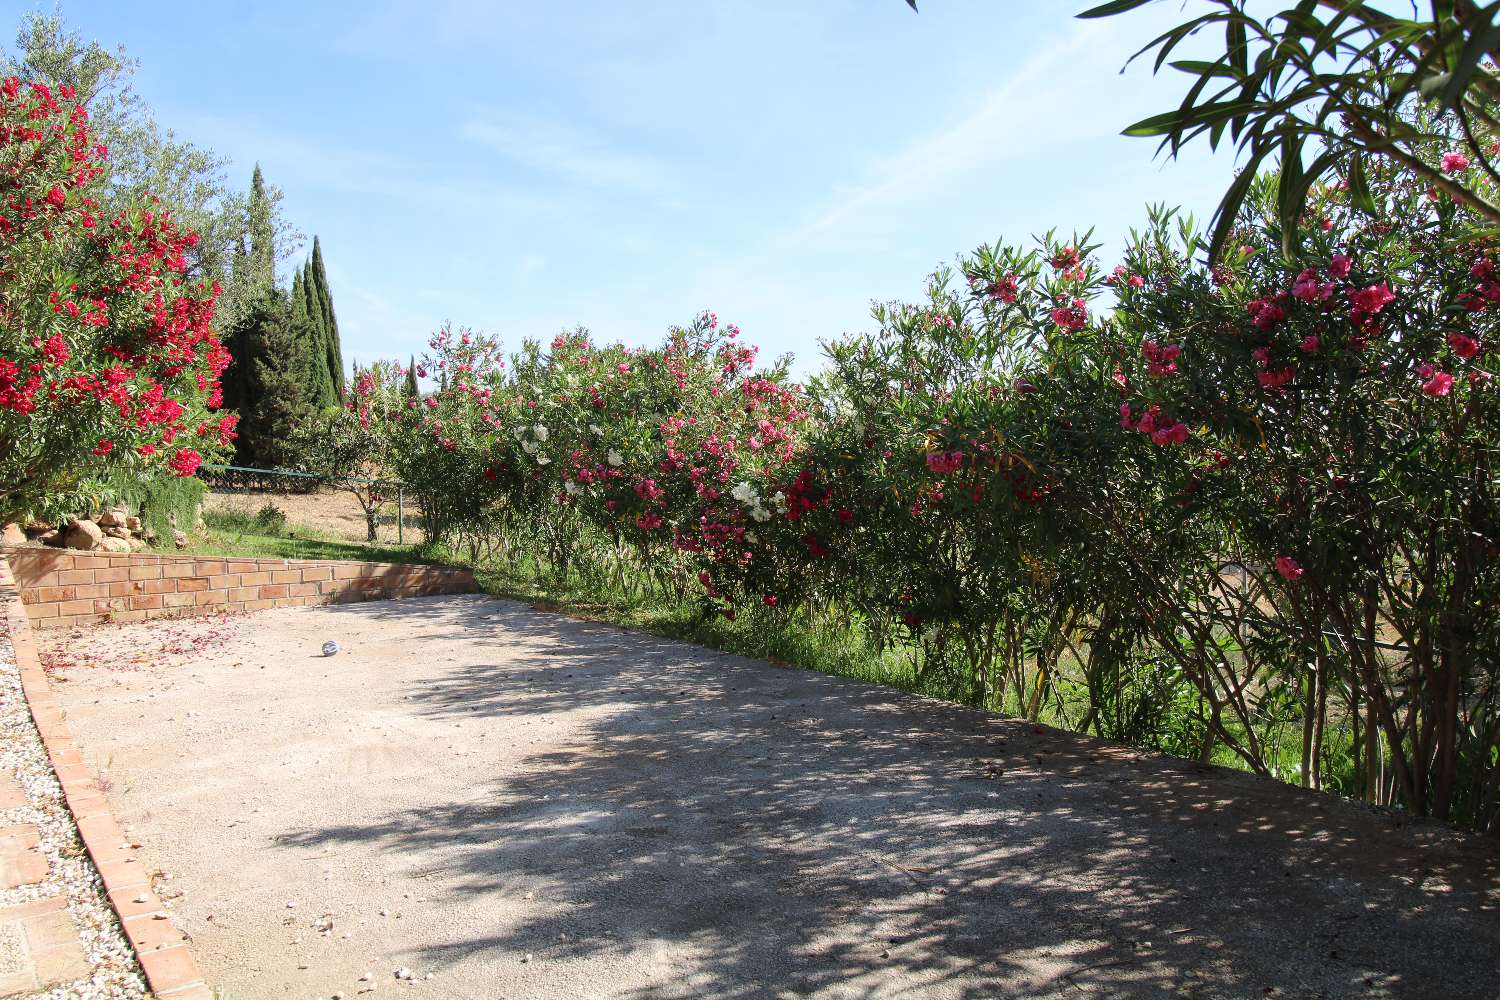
(269, 381)
(412, 391)
(330, 324)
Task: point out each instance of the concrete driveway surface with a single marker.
(500, 802)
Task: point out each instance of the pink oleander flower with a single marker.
(1455, 163)
(945, 461)
(1463, 345)
(1340, 265)
(1371, 299)
(1440, 384)
(1289, 568)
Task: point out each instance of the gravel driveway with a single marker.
(518, 804)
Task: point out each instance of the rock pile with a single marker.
(113, 530)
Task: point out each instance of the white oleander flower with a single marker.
(530, 447)
(615, 458)
(571, 487)
(779, 501)
(596, 430)
(541, 432)
(543, 460)
(761, 514)
(743, 492)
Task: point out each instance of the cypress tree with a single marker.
(332, 347)
(276, 397)
(261, 225)
(412, 392)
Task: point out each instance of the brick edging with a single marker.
(162, 949)
(61, 587)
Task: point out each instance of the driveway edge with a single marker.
(160, 948)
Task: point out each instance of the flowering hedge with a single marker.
(108, 358)
(1241, 509)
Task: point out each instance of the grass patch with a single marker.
(234, 533)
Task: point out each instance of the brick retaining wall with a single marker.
(61, 587)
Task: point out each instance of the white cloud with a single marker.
(1006, 120)
(550, 147)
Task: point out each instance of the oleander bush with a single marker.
(1240, 509)
(109, 361)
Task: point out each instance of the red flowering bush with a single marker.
(108, 358)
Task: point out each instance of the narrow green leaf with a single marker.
(1108, 9)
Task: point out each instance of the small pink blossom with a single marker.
(1440, 384)
(1455, 163)
(1289, 568)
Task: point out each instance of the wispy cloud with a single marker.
(551, 147)
(1008, 120)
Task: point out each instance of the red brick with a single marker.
(177, 600)
(211, 597)
(191, 584)
(145, 602)
(76, 608)
(44, 594)
(224, 581)
(111, 574)
(105, 605)
(73, 576)
(149, 572)
(48, 610)
(255, 579)
(287, 576)
(302, 589)
(240, 567)
(273, 591)
(175, 570)
(129, 616)
(244, 594)
(169, 969)
(317, 574)
(86, 590)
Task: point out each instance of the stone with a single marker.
(38, 528)
(53, 538)
(133, 523)
(114, 518)
(117, 531)
(112, 544)
(11, 534)
(137, 544)
(84, 535)
(179, 539)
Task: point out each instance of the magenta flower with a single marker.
(1440, 384)
(1289, 568)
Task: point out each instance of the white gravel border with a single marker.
(70, 873)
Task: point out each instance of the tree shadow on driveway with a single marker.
(766, 831)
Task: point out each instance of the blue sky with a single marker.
(524, 167)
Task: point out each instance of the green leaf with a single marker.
(1359, 187)
(1113, 7)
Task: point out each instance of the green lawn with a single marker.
(235, 534)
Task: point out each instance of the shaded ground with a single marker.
(525, 805)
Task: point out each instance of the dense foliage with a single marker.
(1241, 508)
(108, 356)
(1328, 87)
